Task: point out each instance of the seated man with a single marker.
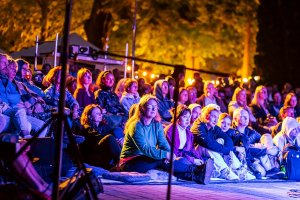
(259, 149)
(286, 111)
(207, 135)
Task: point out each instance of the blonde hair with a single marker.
(255, 99)
(207, 110)
(139, 112)
(237, 112)
(236, 93)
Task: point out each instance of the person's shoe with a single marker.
(272, 172)
(278, 175)
(229, 175)
(203, 172)
(249, 176)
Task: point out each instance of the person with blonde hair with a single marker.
(212, 141)
(260, 110)
(145, 146)
(239, 100)
(259, 149)
(84, 93)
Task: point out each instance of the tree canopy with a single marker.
(188, 32)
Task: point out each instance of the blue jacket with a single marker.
(207, 138)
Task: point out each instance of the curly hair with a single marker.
(86, 114)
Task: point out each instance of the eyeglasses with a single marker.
(151, 107)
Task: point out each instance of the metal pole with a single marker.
(55, 50)
(36, 52)
(126, 60)
(133, 39)
(105, 49)
(61, 118)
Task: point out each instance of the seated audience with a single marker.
(283, 113)
(195, 112)
(145, 146)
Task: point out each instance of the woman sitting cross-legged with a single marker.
(145, 146)
(100, 147)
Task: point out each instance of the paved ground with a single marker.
(254, 190)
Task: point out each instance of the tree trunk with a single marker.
(44, 5)
(246, 71)
(97, 26)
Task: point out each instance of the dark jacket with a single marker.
(207, 138)
(201, 101)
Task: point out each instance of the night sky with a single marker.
(278, 41)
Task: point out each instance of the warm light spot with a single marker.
(136, 77)
(152, 75)
(144, 73)
(256, 78)
(128, 68)
(213, 82)
(245, 80)
(191, 81)
(217, 82)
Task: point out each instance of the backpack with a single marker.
(291, 161)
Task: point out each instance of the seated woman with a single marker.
(145, 146)
(84, 93)
(183, 96)
(130, 96)
(239, 100)
(100, 147)
(184, 139)
(291, 100)
(120, 87)
(208, 136)
(115, 113)
(52, 93)
(196, 112)
(23, 70)
(161, 89)
(192, 94)
(260, 110)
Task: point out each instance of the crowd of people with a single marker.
(232, 131)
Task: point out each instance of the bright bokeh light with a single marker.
(256, 78)
(136, 77)
(245, 80)
(191, 81)
(144, 73)
(152, 76)
(128, 68)
(217, 82)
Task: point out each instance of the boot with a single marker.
(203, 172)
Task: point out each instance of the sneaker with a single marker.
(278, 175)
(272, 172)
(249, 176)
(203, 173)
(229, 174)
